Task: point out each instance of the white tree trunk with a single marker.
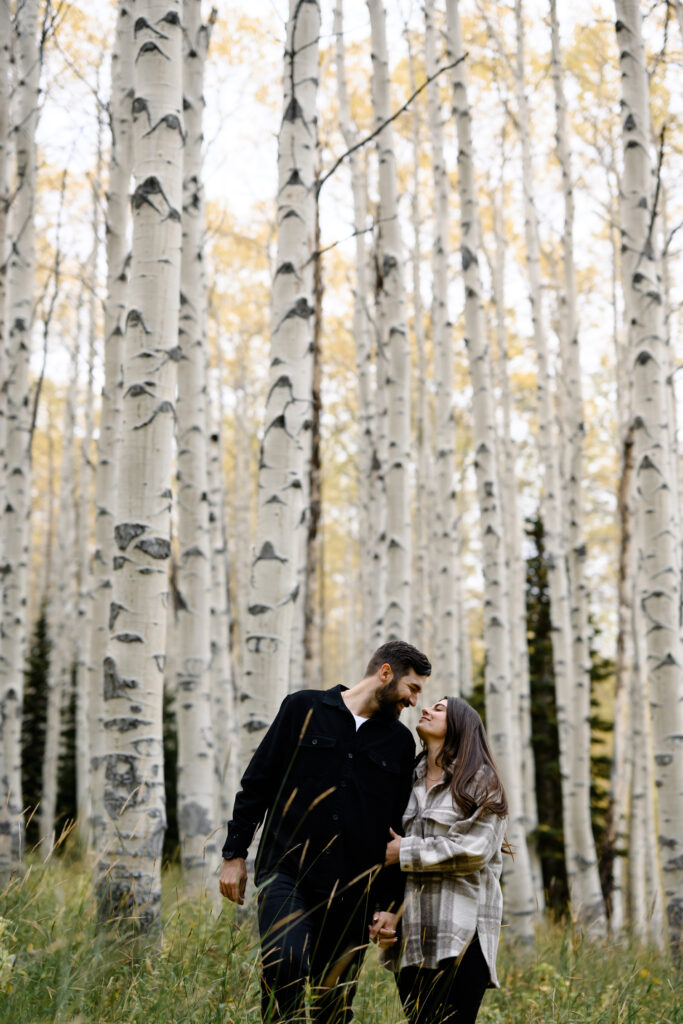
(572, 687)
(445, 513)
(514, 538)
(106, 469)
(393, 337)
(573, 483)
(84, 667)
(501, 716)
(5, 151)
(656, 501)
(282, 467)
(421, 607)
(129, 866)
(196, 758)
(61, 614)
(16, 509)
(225, 709)
(361, 329)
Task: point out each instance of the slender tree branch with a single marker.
(394, 116)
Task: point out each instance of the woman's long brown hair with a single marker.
(465, 750)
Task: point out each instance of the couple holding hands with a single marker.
(363, 842)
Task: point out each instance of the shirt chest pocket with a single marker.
(317, 758)
(382, 773)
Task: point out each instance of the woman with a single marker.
(452, 855)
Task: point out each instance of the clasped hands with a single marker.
(383, 927)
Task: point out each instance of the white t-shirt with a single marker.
(359, 720)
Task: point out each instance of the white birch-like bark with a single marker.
(445, 512)
(129, 867)
(572, 688)
(646, 892)
(514, 537)
(421, 618)
(573, 483)
(16, 507)
(282, 467)
(501, 718)
(225, 710)
(5, 150)
(242, 511)
(394, 337)
(361, 327)
(106, 469)
(84, 667)
(196, 759)
(656, 500)
(61, 614)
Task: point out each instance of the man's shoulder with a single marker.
(311, 698)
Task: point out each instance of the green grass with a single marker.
(70, 970)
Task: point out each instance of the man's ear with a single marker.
(386, 673)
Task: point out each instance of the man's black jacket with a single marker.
(329, 794)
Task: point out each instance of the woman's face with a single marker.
(432, 724)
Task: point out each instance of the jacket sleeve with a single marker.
(262, 780)
(390, 884)
(467, 847)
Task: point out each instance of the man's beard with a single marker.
(389, 707)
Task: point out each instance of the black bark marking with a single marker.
(113, 684)
(136, 319)
(114, 609)
(155, 547)
(124, 533)
(267, 553)
(125, 723)
(164, 406)
(150, 47)
(193, 819)
(128, 638)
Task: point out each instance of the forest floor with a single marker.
(58, 964)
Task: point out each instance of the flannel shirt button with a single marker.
(314, 742)
(350, 755)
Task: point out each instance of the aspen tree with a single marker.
(421, 628)
(394, 337)
(224, 704)
(361, 325)
(129, 868)
(572, 686)
(16, 509)
(84, 667)
(106, 468)
(574, 437)
(282, 465)
(5, 36)
(196, 764)
(513, 537)
(656, 500)
(445, 513)
(61, 613)
(501, 717)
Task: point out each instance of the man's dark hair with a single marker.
(401, 656)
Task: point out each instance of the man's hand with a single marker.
(233, 879)
(383, 928)
(392, 853)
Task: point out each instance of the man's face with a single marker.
(397, 694)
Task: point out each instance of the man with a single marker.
(331, 776)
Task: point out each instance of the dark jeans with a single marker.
(449, 994)
(307, 936)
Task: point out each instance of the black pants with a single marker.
(307, 937)
(449, 994)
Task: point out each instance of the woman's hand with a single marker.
(393, 847)
(383, 929)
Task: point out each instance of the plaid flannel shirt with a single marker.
(453, 866)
